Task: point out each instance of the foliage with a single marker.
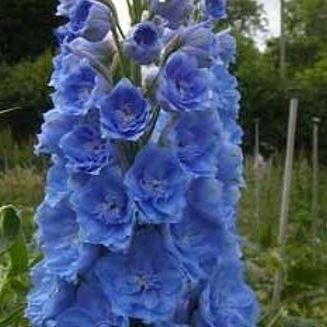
(311, 83)
(25, 28)
(25, 86)
(14, 278)
(246, 16)
(304, 300)
(304, 293)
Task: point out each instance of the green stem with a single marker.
(9, 110)
(97, 65)
(114, 15)
(137, 76)
(138, 9)
(130, 10)
(124, 162)
(123, 62)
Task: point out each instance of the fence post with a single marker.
(256, 137)
(285, 200)
(315, 173)
(257, 179)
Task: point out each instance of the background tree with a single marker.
(25, 28)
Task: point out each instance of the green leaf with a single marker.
(10, 225)
(18, 256)
(12, 240)
(13, 318)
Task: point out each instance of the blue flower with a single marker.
(230, 164)
(226, 96)
(124, 113)
(86, 151)
(56, 125)
(227, 301)
(208, 197)
(199, 41)
(48, 296)
(56, 188)
(144, 283)
(175, 12)
(233, 131)
(89, 308)
(57, 237)
(75, 88)
(183, 86)
(143, 43)
(89, 19)
(215, 9)
(153, 242)
(201, 238)
(103, 51)
(157, 184)
(104, 211)
(197, 136)
(226, 47)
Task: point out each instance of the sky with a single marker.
(272, 8)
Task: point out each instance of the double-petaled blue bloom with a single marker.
(226, 47)
(90, 19)
(175, 12)
(183, 86)
(157, 183)
(197, 137)
(86, 151)
(199, 41)
(214, 9)
(227, 301)
(75, 88)
(87, 308)
(138, 224)
(56, 125)
(124, 113)
(105, 214)
(143, 43)
(49, 296)
(146, 283)
(226, 97)
(203, 229)
(56, 188)
(57, 236)
(230, 164)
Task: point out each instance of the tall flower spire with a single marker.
(138, 224)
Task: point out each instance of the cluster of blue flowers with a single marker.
(138, 222)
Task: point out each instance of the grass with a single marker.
(304, 293)
(304, 300)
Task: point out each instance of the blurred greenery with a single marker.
(24, 85)
(304, 300)
(26, 49)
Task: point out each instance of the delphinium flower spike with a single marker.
(138, 223)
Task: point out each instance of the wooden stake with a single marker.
(282, 54)
(256, 137)
(257, 180)
(315, 174)
(285, 200)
